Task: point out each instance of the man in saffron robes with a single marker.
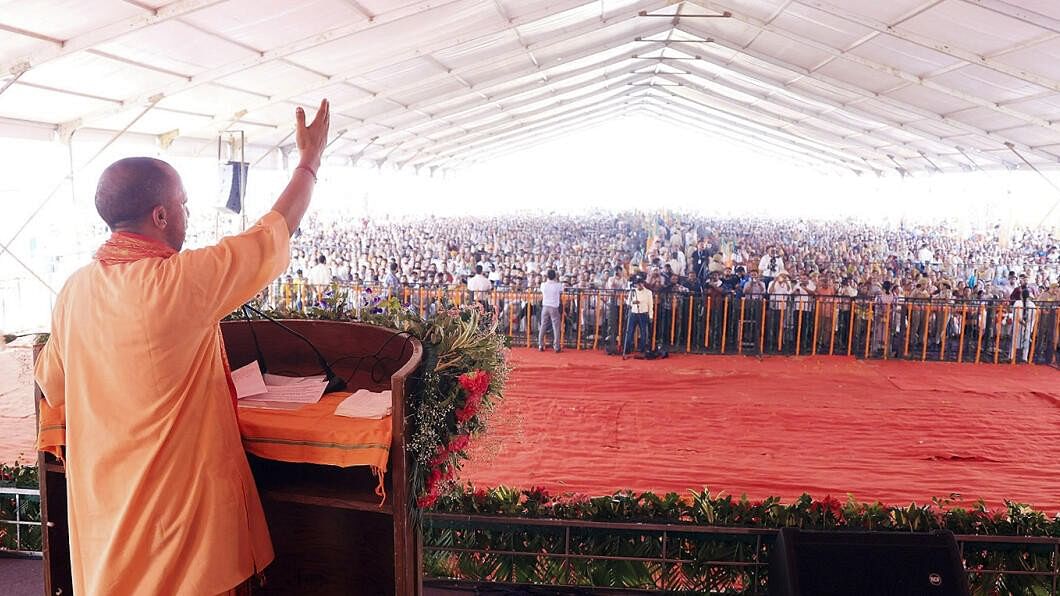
(161, 498)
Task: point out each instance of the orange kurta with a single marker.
(161, 498)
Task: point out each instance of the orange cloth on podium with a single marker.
(161, 498)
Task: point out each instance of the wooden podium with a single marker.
(330, 533)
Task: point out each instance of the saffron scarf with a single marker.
(128, 247)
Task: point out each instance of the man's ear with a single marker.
(158, 217)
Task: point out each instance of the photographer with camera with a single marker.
(641, 311)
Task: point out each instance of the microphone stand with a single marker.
(335, 382)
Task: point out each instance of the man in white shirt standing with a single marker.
(320, 274)
(641, 311)
(551, 291)
(479, 286)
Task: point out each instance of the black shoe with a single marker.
(557, 350)
(540, 348)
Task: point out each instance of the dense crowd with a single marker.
(681, 253)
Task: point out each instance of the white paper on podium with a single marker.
(278, 380)
(277, 392)
(366, 404)
(248, 380)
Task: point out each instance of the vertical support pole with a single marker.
(529, 318)
(868, 330)
(887, 335)
(596, 329)
(1034, 338)
(850, 328)
(673, 319)
(981, 313)
(780, 330)
(997, 333)
(762, 330)
(739, 335)
(964, 325)
(654, 320)
(927, 333)
(724, 323)
(562, 319)
(1017, 313)
(908, 330)
(831, 331)
(944, 331)
(509, 299)
(581, 315)
(816, 320)
(706, 327)
(691, 308)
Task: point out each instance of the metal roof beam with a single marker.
(743, 120)
(943, 48)
(753, 128)
(531, 87)
(849, 109)
(798, 127)
(889, 70)
(758, 145)
(821, 115)
(721, 41)
(105, 33)
(568, 34)
(500, 127)
(469, 124)
(1019, 13)
(340, 32)
(536, 123)
(501, 150)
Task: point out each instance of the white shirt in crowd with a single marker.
(319, 275)
(764, 266)
(641, 301)
(551, 291)
(479, 283)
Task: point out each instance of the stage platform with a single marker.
(21, 576)
(892, 431)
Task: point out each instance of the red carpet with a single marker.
(880, 430)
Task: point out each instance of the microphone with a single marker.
(335, 382)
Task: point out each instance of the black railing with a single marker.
(683, 558)
(971, 331)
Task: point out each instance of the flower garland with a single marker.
(703, 508)
(447, 456)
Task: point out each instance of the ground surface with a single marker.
(887, 430)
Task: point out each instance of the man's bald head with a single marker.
(131, 188)
(143, 195)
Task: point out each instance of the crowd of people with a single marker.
(680, 253)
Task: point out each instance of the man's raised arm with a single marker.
(311, 141)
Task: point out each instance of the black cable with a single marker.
(257, 346)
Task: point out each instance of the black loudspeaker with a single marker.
(235, 182)
(814, 563)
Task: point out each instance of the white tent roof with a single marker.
(863, 85)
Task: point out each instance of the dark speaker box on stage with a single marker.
(817, 563)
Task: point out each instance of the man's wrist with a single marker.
(311, 163)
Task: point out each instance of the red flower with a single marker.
(475, 383)
(459, 443)
(426, 501)
(470, 409)
(440, 456)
